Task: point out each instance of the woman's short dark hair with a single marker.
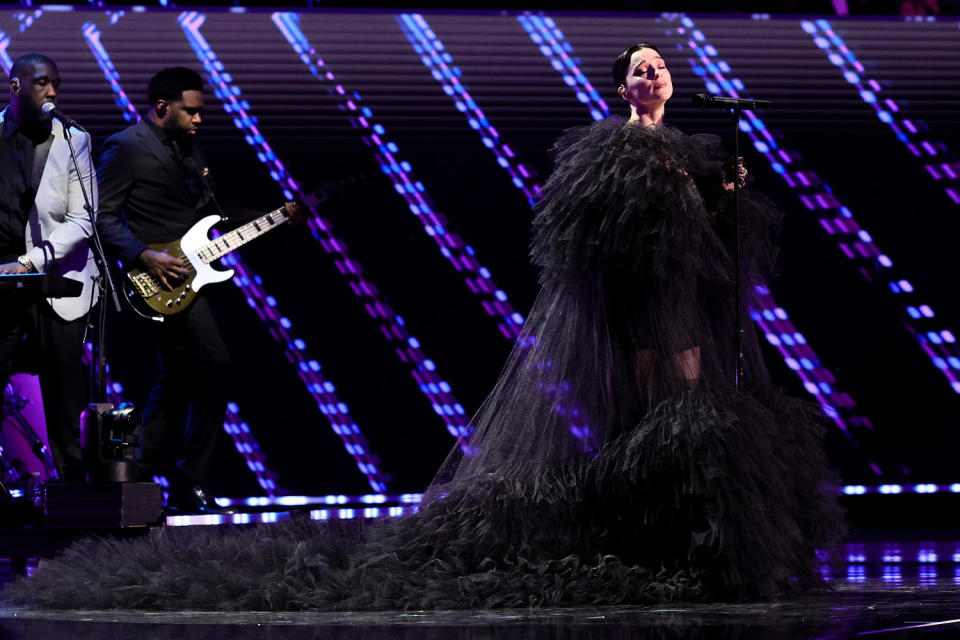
(170, 84)
(622, 63)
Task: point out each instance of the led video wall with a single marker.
(366, 340)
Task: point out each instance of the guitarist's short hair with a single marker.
(170, 84)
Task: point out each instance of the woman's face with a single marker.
(648, 82)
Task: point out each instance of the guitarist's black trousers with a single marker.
(183, 415)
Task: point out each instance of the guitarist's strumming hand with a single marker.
(162, 265)
(296, 211)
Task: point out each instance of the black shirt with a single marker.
(18, 152)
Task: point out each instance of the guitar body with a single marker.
(200, 251)
(145, 289)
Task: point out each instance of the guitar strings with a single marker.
(156, 282)
(193, 270)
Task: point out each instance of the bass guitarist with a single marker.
(153, 188)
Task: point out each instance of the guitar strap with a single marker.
(198, 176)
(208, 189)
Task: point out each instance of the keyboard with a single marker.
(40, 285)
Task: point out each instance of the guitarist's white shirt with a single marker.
(58, 228)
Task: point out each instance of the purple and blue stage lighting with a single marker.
(837, 220)
(769, 316)
(800, 358)
(247, 445)
(897, 489)
(554, 45)
(368, 513)
(25, 20)
(330, 500)
(435, 57)
(323, 391)
(309, 371)
(5, 58)
(92, 36)
(461, 255)
(939, 159)
(392, 325)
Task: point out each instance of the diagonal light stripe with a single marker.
(553, 44)
(435, 57)
(246, 444)
(5, 58)
(91, 35)
(310, 372)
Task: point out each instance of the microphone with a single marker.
(50, 109)
(708, 101)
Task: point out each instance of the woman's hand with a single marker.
(741, 175)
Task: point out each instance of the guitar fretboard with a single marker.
(221, 246)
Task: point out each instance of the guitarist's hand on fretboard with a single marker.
(170, 274)
(163, 267)
(296, 211)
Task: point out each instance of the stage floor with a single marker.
(905, 599)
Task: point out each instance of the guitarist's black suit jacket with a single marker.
(150, 187)
(151, 191)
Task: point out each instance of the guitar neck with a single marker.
(224, 244)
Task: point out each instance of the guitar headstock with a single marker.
(329, 189)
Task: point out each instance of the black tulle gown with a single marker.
(613, 462)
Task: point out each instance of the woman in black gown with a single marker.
(614, 461)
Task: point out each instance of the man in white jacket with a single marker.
(45, 228)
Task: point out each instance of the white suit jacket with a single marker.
(58, 229)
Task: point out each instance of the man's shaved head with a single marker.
(25, 64)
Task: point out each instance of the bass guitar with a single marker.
(199, 251)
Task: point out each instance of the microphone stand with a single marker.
(737, 268)
(105, 282)
(735, 105)
(102, 427)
